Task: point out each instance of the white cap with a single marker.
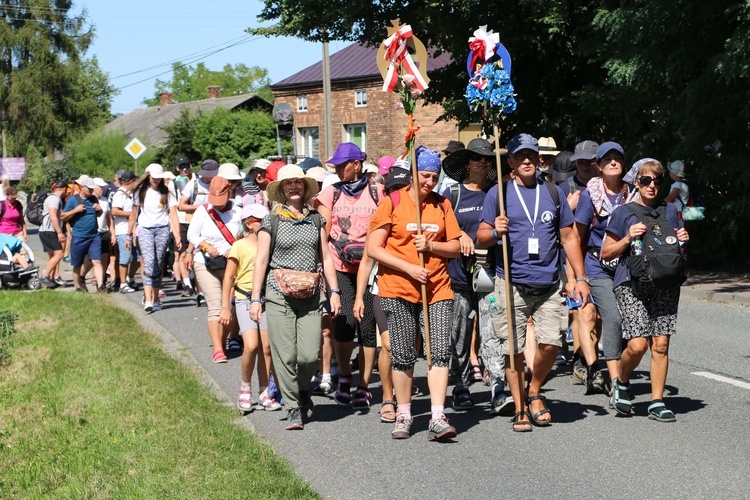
(155, 170)
(230, 172)
(370, 168)
(86, 181)
(330, 180)
(99, 182)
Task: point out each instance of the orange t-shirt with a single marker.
(435, 219)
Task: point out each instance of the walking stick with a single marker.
(506, 258)
(490, 91)
(402, 75)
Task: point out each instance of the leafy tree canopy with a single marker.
(189, 83)
(48, 91)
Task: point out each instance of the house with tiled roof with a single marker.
(361, 112)
(147, 123)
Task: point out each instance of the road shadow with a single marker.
(679, 405)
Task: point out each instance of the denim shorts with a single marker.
(125, 254)
(80, 247)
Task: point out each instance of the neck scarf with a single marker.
(353, 188)
(602, 204)
(287, 214)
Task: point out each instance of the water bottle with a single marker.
(636, 246)
(493, 307)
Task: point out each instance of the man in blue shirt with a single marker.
(80, 212)
(532, 223)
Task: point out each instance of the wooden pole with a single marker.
(425, 314)
(506, 262)
(135, 166)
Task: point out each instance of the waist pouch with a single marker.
(536, 290)
(297, 284)
(607, 265)
(215, 263)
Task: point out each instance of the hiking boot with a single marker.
(595, 384)
(294, 420)
(440, 429)
(579, 373)
(500, 403)
(402, 429)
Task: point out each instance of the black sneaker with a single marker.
(180, 285)
(198, 299)
(187, 292)
(48, 283)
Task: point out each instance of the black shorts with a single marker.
(183, 238)
(50, 243)
(106, 238)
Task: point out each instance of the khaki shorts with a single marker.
(546, 311)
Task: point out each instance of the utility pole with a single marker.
(327, 124)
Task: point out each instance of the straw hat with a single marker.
(274, 192)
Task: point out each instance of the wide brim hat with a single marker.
(230, 172)
(454, 165)
(274, 192)
(548, 146)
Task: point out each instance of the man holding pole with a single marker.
(535, 217)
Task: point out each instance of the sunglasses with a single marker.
(522, 155)
(184, 166)
(478, 158)
(646, 180)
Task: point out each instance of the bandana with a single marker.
(287, 215)
(603, 206)
(428, 160)
(352, 188)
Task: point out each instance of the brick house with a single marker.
(361, 112)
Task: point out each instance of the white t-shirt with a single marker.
(124, 201)
(684, 195)
(102, 221)
(153, 213)
(203, 228)
(198, 198)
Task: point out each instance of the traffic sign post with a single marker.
(135, 148)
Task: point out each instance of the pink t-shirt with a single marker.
(350, 220)
(12, 219)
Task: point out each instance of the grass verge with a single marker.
(91, 406)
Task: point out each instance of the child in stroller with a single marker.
(17, 264)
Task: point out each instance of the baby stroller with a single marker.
(13, 275)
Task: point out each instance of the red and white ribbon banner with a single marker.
(482, 45)
(397, 53)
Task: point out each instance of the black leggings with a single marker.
(345, 324)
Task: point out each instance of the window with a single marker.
(302, 103)
(356, 133)
(360, 98)
(308, 142)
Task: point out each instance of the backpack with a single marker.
(352, 253)
(661, 262)
(35, 208)
(694, 209)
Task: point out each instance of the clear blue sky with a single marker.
(138, 34)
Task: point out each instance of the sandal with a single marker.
(219, 356)
(476, 372)
(658, 411)
(544, 411)
(620, 399)
(361, 399)
(519, 425)
(245, 401)
(233, 345)
(388, 416)
(462, 398)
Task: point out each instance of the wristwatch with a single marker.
(584, 279)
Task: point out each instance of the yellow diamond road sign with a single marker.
(135, 148)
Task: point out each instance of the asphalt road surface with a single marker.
(587, 452)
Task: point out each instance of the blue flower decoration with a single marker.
(497, 92)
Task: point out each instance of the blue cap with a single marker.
(522, 141)
(606, 147)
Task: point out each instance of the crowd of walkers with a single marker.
(296, 262)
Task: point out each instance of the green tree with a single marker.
(181, 138)
(48, 91)
(101, 154)
(189, 83)
(234, 136)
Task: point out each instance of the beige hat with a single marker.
(86, 181)
(230, 172)
(169, 175)
(369, 168)
(155, 170)
(274, 192)
(548, 146)
(318, 173)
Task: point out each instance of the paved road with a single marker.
(587, 452)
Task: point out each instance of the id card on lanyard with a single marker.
(533, 242)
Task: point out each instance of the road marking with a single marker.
(728, 380)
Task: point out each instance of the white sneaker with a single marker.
(148, 306)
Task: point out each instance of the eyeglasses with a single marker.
(646, 180)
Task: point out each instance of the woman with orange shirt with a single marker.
(393, 242)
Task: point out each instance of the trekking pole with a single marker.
(506, 263)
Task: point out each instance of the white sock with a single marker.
(187, 282)
(437, 411)
(326, 377)
(246, 386)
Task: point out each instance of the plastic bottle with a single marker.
(493, 307)
(636, 246)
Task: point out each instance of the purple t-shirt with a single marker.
(541, 268)
(585, 215)
(619, 226)
(468, 213)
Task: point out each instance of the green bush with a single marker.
(7, 329)
(101, 154)
(42, 172)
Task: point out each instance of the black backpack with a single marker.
(35, 208)
(661, 262)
